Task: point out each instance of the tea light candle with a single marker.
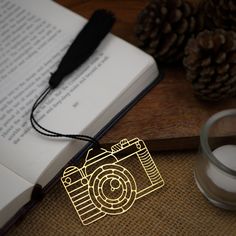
(227, 156)
(215, 167)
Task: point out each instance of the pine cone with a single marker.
(164, 27)
(220, 14)
(210, 61)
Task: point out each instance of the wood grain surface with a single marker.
(169, 116)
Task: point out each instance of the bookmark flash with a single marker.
(105, 185)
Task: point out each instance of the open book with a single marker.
(34, 35)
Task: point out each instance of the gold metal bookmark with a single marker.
(109, 183)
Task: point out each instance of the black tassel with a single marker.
(84, 45)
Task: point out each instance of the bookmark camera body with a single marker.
(106, 185)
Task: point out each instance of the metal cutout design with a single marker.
(106, 184)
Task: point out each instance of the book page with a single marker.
(34, 35)
(30, 50)
(15, 192)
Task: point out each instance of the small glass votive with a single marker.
(215, 167)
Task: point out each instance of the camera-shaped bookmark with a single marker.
(106, 184)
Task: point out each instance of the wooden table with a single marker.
(169, 116)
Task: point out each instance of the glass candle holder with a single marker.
(215, 167)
